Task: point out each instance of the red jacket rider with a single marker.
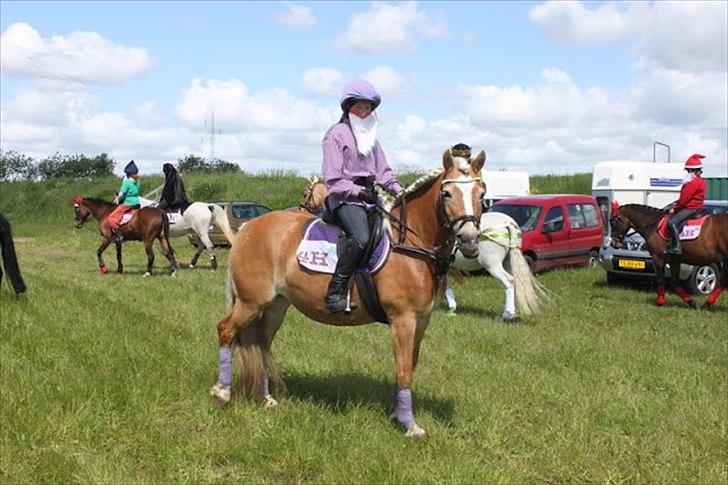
(692, 195)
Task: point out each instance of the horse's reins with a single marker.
(309, 197)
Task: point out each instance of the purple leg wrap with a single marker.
(266, 391)
(404, 408)
(225, 376)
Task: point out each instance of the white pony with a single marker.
(198, 218)
(501, 237)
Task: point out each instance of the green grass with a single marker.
(105, 379)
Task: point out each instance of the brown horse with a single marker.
(439, 210)
(148, 224)
(313, 196)
(711, 246)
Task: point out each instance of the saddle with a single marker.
(126, 217)
(321, 244)
(690, 228)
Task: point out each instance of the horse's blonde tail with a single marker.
(221, 221)
(529, 292)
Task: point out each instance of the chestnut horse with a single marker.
(439, 210)
(313, 196)
(711, 246)
(148, 224)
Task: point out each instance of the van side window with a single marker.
(590, 215)
(576, 218)
(554, 220)
(243, 212)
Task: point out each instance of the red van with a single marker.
(558, 230)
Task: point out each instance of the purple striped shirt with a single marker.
(343, 163)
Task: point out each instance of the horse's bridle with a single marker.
(441, 262)
(80, 219)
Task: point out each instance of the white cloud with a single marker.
(297, 15)
(86, 57)
(391, 27)
(388, 82)
(322, 81)
(236, 109)
(571, 22)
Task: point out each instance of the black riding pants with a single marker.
(354, 220)
(681, 216)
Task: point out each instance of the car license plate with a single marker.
(631, 264)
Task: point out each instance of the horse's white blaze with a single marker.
(466, 185)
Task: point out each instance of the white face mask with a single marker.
(365, 132)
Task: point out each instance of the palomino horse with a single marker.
(711, 246)
(197, 218)
(264, 278)
(10, 259)
(147, 224)
(500, 238)
(313, 196)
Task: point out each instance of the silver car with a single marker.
(633, 262)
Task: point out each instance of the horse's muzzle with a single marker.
(467, 239)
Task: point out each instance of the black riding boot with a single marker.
(339, 285)
(674, 247)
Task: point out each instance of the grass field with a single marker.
(105, 379)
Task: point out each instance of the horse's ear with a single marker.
(447, 162)
(479, 162)
(315, 179)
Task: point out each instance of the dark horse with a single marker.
(711, 246)
(10, 260)
(148, 224)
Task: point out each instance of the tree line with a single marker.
(16, 166)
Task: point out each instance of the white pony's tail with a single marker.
(230, 291)
(221, 221)
(529, 292)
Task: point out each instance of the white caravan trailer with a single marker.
(653, 184)
(504, 184)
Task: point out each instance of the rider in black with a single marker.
(174, 196)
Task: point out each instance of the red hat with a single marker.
(694, 162)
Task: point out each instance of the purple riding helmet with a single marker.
(359, 90)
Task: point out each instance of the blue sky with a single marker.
(545, 87)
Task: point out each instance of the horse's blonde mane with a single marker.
(418, 184)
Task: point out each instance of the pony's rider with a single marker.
(691, 199)
(174, 196)
(128, 198)
(353, 161)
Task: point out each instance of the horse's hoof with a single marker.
(707, 307)
(192, 266)
(104, 269)
(269, 402)
(451, 313)
(173, 273)
(692, 304)
(146, 275)
(510, 318)
(221, 394)
(415, 432)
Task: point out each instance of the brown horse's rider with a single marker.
(691, 199)
(353, 162)
(128, 198)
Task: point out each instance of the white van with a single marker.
(504, 185)
(653, 184)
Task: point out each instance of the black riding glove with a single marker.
(368, 195)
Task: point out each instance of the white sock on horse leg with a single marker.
(510, 301)
(452, 305)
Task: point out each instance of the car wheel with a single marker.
(530, 262)
(592, 260)
(703, 279)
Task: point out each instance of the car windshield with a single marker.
(525, 215)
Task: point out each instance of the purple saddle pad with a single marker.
(317, 249)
